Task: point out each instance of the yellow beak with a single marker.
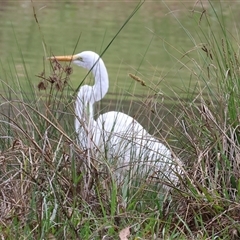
(68, 58)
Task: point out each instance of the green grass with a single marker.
(50, 190)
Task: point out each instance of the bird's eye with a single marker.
(80, 59)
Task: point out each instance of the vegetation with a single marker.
(50, 189)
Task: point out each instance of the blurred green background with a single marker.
(152, 45)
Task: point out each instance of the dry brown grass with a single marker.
(208, 202)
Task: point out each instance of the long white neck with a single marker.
(101, 85)
(87, 96)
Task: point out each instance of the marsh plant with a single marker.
(51, 189)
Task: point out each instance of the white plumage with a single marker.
(118, 135)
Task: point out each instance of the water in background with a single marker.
(152, 45)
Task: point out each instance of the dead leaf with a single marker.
(124, 233)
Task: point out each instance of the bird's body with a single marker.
(134, 148)
(116, 135)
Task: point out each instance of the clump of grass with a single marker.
(206, 204)
(36, 150)
(47, 187)
(208, 129)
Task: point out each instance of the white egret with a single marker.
(121, 136)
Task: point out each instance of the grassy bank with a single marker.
(50, 189)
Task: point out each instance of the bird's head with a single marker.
(86, 59)
(91, 61)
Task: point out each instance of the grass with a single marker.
(50, 189)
